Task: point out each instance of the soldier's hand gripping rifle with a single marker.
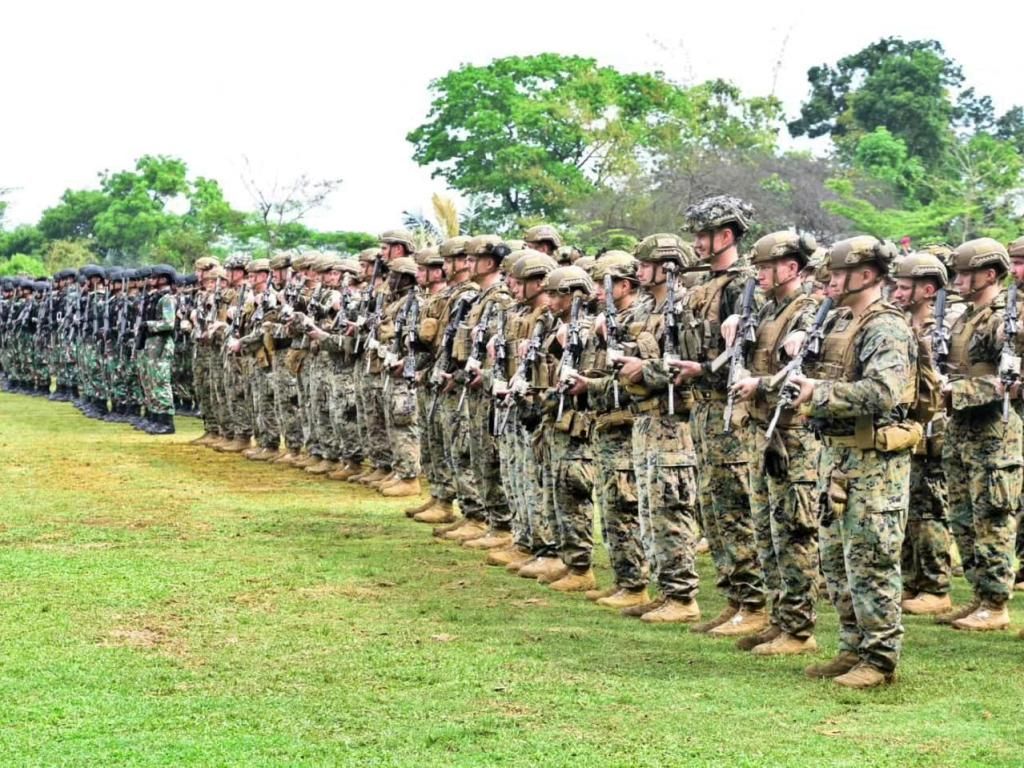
(412, 324)
(746, 332)
(444, 357)
(782, 381)
(369, 300)
(1009, 361)
(519, 383)
(613, 336)
(940, 343)
(391, 356)
(500, 362)
(570, 354)
(670, 354)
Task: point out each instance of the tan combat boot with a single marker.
(413, 511)
(342, 472)
(517, 565)
(864, 675)
(959, 613)
(402, 488)
(267, 454)
(373, 476)
(593, 595)
(989, 617)
(322, 467)
(380, 482)
(391, 479)
(287, 458)
(473, 529)
(238, 445)
(840, 665)
(211, 439)
(750, 642)
(442, 531)
(248, 453)
(540, 565)
(673, 612)
(508, 555)
(625, 598)
(727, 613)
(218, 442)
(203, 439)
(575, 582)
(308, 460)
(638, 610)
(745, 622)
(439, 514)
(555, 570)
(786, 645)
(926, 604)
(493, 540)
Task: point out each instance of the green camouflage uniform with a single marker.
(158, 354)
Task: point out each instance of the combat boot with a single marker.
(593, 595)
(322, 467)
(492, 540)
(266, 454)
(673, 611)
(959, 613)
(364, 471)
(989, 617)
(248, 453)
(840, 665)
(543, 565)
(388, 479)
(413, 511)
(575, 582)
(553, 573)
(439, 514)
(766, 635)
(864, 675)
(473, 529)
(286, 458)
(926, 604)
(727, 613)
(443, 530)
(237, 445)
(624, 598)
(402, 488)
(308, 460)
(786, 645)
(378, 474)
(638, 610)
(348, 470)
(163, 424)
(745, 622)
(508, 555)
(517, 565)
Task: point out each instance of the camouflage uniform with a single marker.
(158, 354)
(867, 373)
(258, 353)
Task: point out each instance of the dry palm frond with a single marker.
(447, 214)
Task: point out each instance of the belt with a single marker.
(710, 395)
(840, 441)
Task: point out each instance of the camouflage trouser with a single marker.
(181, 381)
(572, 469)
(243, 421)
(371, 408)
(863, 513)
(157, 359)
(616, 491)
(261, 390)
(982, 461)
(926, 562)
(538, 534)
(219, 379)
(432, 453)
(403, 426)
(1019, 547)
(784, 502)
(344, 418)
(483, 454)
(666, 475)
(321, 429)
(286, 401)
(302, 383)
(726, 519)
(202, 374)
(87, 367)
(456, 444)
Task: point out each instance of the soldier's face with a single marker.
(237, 276)
(259, 280)
(421, 277)
(280, 276)
(902, 293)
(332, 278)
(1017, 267)
(645, 272)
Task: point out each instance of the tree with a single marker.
(25, 239)
(67, 254)
(281, 206)
(22, 264)
(529, 136)
(900, 85)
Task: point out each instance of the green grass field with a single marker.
(167, 605)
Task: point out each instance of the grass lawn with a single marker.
(162, 604)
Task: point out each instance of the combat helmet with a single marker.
(531, 264)
(861, 250)
(665, 246)
(400, 237)
(543, 233)
(719, 211)
(569, 279)
(618, 264)
(782, 245)
(982, 253)
(921, 266)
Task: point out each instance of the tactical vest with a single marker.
(838, 360)
(764, 358)
(701, 321)
(497, 294)
(958, 364)
(451, 296)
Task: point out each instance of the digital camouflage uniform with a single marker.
(257, 348)
(158, 353)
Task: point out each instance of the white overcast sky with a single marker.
(331, 89)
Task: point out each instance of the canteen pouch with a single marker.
(898, 437)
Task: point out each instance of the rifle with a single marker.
(571, 353)
(517, 385)
(444, 359)
(412, 323)
(500, 362)
(122, 316)
(1009, 361)
(261, 307)
(747, 331)
(369, 297)
(476, 352)
(391, 357)
(372, 326)
(613, 336)
(235, 328)
(940, 342)
(811, 346)
(671, 352)
(139, 330)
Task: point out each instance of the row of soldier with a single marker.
(779, 404)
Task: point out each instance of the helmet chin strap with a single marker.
(974, 289)
(848, 291)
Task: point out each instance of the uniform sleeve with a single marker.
(885, 362)
(165, 322)
(974, 391)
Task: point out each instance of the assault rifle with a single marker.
(391, 357)
(571, 354)
(1009, 361)
(412, 324)
(478, 348)
(613, 336)
(746, 332)
(671, 351)
(444, 358)
(781, 382)
(940, 342)
(369, 299)
(519, 382)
